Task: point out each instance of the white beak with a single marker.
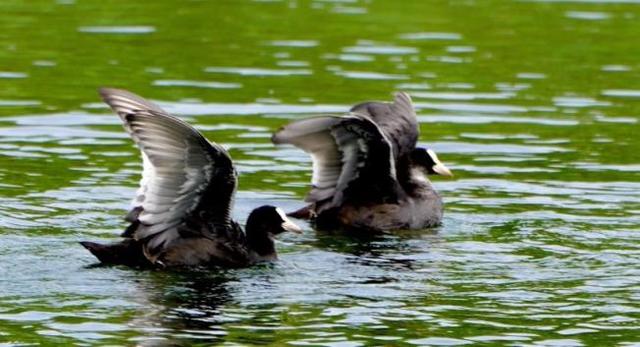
(288, 225)
(440, 169)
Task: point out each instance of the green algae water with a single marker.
(533, 104)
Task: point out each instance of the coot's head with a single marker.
(427, 159)
(270, 220)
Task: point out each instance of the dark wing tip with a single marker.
(360, 107)
(107, 94)
(403, 100)
(400, 95)
(103, 91)
(109, 91)
(276, 139)
(124, 102)
(302, 128)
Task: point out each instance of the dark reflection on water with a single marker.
(379, 249)
(190, 302)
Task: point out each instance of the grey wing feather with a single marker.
(313, 135)
(124, 102)
(344, 150)
(397, 120)
(180, 170)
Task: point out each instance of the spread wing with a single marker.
(182, 172)
(397, 120)
(351, 156)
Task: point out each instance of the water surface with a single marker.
(533, 104)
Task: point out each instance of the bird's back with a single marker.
(225, 248)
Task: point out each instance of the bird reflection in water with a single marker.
(182, 306)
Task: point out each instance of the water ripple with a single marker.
(539, 244)
(251, 71)
(130, 29)
(196, 84)
(431, 36)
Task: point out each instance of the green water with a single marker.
(533, 104)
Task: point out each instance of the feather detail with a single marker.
(340, 148)
(180, 169)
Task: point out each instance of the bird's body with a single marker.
(422, 209)
(367, 171)
(181, 215)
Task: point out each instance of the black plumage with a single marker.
(181, 214)
(367, 171)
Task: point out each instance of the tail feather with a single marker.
(128, 252)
